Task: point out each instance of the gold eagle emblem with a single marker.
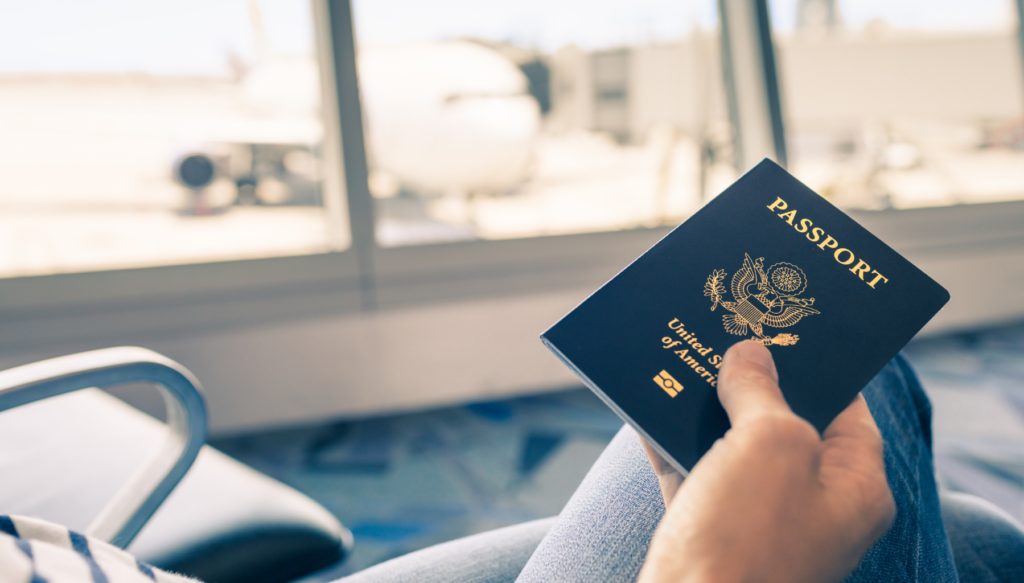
(763, 297)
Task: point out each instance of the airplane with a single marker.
(442, 117)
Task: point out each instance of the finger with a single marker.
(855, 421)
(748, 383)
(854, 465)
(669, 480)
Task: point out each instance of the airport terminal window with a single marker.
(140, 134)
(511, 119)
(903, 104)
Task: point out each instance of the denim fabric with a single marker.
(988, 544)
(605, 529)
(916, 547)
(491, 557)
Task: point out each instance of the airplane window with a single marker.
(138, 134)
(906, 104)
(502, 120)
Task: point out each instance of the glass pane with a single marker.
(151, 133)
(903, 104)
(522, 118)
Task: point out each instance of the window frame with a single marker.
(325, 325)
(90, 307)
(106, 306)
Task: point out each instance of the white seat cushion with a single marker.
(64, 458)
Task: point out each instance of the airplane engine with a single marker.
(446, 116)
(195, 171)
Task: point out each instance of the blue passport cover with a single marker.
(767, 260)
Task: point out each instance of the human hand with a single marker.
(772, 500)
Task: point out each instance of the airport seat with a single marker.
(65, 457)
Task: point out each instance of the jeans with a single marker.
(604, 530)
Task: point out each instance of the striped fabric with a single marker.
(36, 551)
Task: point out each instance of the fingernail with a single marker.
(753, 352)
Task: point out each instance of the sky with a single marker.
(180, 37)
(543, 24)
(195, 37)
(549, 24)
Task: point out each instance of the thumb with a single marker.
(748, 383)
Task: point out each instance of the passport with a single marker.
(767, 260)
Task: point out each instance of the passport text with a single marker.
(842, 255)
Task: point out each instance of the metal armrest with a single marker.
(136, 501)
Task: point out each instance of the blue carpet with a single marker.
(976, 383)
(405, 482)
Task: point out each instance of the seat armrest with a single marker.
(125, 515)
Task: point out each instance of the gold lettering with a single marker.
(778, 204)
(838, 251)
(814, 234)
(877, 277)
(668, 342)
(861, 268)
(677, 323)
(788, 217)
